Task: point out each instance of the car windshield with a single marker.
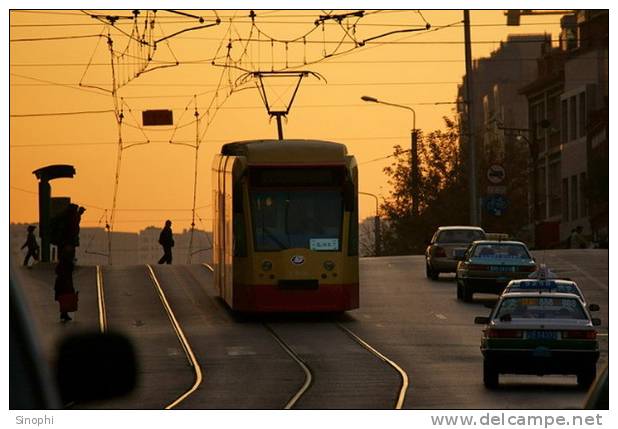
(540, 308)
(466, 236)
(297, 219)
(501, 250)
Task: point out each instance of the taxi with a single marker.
(546, 285)
(487, 266)
(539, 333)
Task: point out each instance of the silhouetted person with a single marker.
(64, 280)
(32, 245)
(166, 240)
(577, 240)
(68, 241)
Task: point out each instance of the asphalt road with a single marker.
(415, 322)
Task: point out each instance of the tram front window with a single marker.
(297, 219)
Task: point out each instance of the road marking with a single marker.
(584, 273)
(101, 301)
(440, 316)
(181, 337)
(239, 351)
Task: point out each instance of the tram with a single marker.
(285, 226)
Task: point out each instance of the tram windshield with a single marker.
(285, 219)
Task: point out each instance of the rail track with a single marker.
(309, 377)
(186, 346)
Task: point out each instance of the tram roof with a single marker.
(287, 151)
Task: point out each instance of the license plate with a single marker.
(542, 335)
(502, 269)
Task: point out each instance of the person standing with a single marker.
(166, 240)
(577, 239)
(65, 293)
(32, 245)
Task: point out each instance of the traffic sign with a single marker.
(496, 174)
(496, 204)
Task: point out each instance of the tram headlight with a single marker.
(267, 266)
(329, 265)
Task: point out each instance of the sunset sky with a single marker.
(62, 111)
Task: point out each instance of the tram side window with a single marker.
(239, 232)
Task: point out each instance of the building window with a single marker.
(565, 199)
(583, 198)
(573, 118)
(574, 188)
(582, 114)
(564, 126)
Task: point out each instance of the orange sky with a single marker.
(156, 179)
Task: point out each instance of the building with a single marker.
(499, 114)
(567, 116)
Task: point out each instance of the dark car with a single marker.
(440, 255)
(488, 266)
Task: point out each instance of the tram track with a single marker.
(186, 347)
(309, 376)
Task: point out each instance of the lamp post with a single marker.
(414, 173)
(377, 235)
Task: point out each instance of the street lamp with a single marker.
(376, 226)
(414, 179)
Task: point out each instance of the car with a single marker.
(548, 285)
(487, 266)
(539, 333)
(444, 245)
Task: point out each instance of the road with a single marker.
(417, 323)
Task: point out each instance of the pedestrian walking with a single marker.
(32, 245)
(166, 240)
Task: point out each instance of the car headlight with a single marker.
(267, 265)
(329, 265)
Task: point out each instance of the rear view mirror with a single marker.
(95, 366)
(596, 321)
(481, 320)
(593, 307)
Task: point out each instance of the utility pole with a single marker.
(415, 176)
(470, 120)
(414, 172)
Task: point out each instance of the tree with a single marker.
(442, 193)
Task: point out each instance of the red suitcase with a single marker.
(68, 302)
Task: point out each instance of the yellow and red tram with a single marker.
(285, 229)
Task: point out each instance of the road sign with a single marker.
(496, 204)
(501, 189)
(157, 117)
(496, 174)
